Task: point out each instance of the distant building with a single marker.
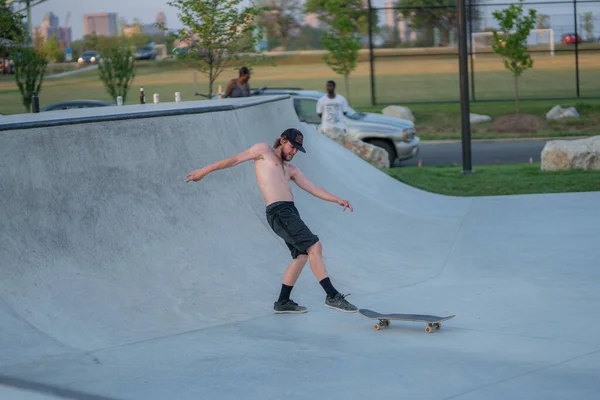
(146, 29)
(161, 18)
(50, 26)
(102, 24)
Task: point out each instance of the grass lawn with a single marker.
(496, 180)
(399, 80)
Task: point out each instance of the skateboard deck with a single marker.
(433, 322)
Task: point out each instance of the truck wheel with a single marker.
(387, 146)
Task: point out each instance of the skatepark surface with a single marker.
(121, 281)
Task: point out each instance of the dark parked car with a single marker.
(69, 104)
(145, 53)
(89, 57)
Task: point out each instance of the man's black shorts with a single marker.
(284, 219)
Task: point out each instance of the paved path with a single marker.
(121, 281)
(483, 152)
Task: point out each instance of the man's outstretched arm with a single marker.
(252, 153)
(315, 190)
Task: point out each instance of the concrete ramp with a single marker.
(121, 281)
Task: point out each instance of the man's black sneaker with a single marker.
(288, 307)
(339, 302)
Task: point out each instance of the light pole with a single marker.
(464, 87)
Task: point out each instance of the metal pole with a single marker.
(576, 46)
(371, 54)
(471, 51)
(29, 28)
(464, 88)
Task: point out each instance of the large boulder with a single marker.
(479, 119)
(372, 154)
(399, 112)
(560, 113)
(563, 155)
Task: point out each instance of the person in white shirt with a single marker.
(332, 108)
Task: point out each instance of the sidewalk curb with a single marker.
(441, 141)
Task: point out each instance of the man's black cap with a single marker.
(295, 137)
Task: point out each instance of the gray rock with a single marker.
(377, 156)
(399, 112)
(478, 119)
(563, 155)
(560, 113)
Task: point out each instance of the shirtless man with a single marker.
(273, 175)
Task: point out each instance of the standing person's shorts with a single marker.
(284, 219)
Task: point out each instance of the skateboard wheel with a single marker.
(438, 325)
(377, 327)
(386, 322)
(428, 329)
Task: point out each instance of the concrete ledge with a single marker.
(134, 111)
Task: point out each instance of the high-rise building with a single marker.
(50, 26)
(161, 18)
(102, 24)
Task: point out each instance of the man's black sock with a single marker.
(326, 283)
(285, 293)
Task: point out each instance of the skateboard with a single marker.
(434, 322)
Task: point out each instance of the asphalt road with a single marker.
(483, 152)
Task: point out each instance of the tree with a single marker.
(219, 32)
(279, 19)
(30, 67)
(346, 21)
(52, 50)
(511, 43)
(12, 31)
(430, 14)
(343, 44)
(543, 21)
(117, 70)
(354, 10)
(587, 24)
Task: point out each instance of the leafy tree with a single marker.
(279, 19)
(52, 50)
(543, 21)
(12, 31)
(219, 33)
(309, 38)
(354, 10)
(347, 20)
(117, 70)
(511, 42)
(343, 45)
(587, 24)
(30, 67)
(430, 14)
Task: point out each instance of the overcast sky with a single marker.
(146, 11)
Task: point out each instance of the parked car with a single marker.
(69, 104)
(89, 57)
(570, 38)
(397, 136)
(145, 53)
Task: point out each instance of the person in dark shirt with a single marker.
(239, 87)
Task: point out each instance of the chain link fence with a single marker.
(414, 52)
